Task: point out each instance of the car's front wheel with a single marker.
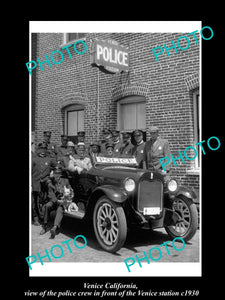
(187, 223)
(110, 224)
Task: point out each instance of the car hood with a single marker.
(117, 172)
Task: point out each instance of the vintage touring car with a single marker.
(117, 195)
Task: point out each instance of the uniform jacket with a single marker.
(138, 152)
(56, 189)
(103, 144)
(51, 149)
(61, 152)
(41, 168)
(127, 148)
(118, 147)
(154, 151)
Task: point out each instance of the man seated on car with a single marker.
(60, 195)
(94, 150)
(64, 160)
(127, 145)
(109, 148)
(80, 161)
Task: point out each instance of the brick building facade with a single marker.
(163, 93)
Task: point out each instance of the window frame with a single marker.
(129, 100)
(70, 108)
(197, 124)
(67, 42)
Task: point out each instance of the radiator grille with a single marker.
(150, 194)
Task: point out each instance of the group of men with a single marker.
(49, 161)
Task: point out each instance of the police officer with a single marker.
(155, 149)
(42, 165)
(107, 136)
(94, 151)
(138, 149)
(109, 148)
(62, 149)
(127, 145)
(118, 145)
(81, 139)
(51, 148)
(70, 151)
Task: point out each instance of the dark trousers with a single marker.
(34, 205)
(59, 216)
(50, 206)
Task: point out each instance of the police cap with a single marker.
(95, 143)
(42, 146)
(106, 131)
(137, 132)
(115, 133)
(64, 136)
(126, 134)
(109, 144)
(81, 133)
(47, 133)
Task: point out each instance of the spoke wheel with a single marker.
(109, 224)
(187, 223)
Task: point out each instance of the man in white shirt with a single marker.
(79, 162)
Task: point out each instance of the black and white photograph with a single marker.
(123, 149)
(115, 148)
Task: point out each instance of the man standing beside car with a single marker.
(155, 149)
(138, 149)
(42, 165)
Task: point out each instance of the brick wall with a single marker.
(167, 86)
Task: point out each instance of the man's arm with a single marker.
(167, 153)
(89, 164)
(51, 193)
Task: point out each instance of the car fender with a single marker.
(186, 192)
(115, 194)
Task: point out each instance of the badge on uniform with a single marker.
(160, 147)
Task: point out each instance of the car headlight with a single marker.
(172, 185)
(129, 185)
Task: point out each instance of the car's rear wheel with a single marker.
(110, 224)
(187, 224)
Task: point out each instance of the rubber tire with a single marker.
(122, 225)
(194, 221)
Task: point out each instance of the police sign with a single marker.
(109, 56)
